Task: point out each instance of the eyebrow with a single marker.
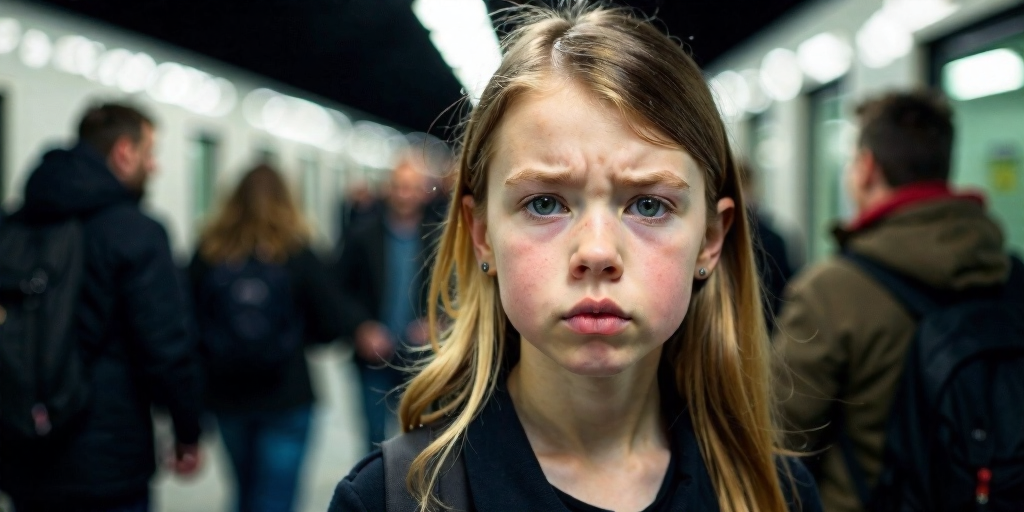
(658, 178)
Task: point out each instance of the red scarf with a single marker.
(908, 195)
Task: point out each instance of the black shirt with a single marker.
(661, 502)
(504, 475)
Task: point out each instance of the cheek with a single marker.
(530, 275)
(664, 269)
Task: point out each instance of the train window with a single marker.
(981, 70)
(204, 175)
(831, 146)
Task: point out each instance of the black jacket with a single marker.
(132, 329)
(505, 476)
(319, 304)
(359, 270)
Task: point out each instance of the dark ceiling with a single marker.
(373, 55)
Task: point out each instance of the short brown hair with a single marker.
(910, 135)
(103, 125)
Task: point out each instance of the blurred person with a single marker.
(260, 298)
(601, 344)
(130, 330)
(845, 330)
(381, 271)
(359, 204)
(770, 249)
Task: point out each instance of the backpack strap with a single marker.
(399, 452)
(911, 295)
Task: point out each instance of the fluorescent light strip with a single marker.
(462, 33)
(985, 74)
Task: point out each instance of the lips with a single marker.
(601, 317)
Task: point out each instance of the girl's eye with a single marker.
(648, 207)
(544, 205)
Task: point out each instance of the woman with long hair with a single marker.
(603, 343)
(260, 298)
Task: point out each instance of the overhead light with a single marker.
(882, 40)
(915, 15)
(76, 55)
(10, 34)
(759, 100)
(462, 33)
(135, 73)
(731, 93)
(781, 76)
(984, 74)
(825, 57)
(110, 65)
(36, 49)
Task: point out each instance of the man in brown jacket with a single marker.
(841, 336)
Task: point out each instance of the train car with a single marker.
(789, 95)
(212, 120)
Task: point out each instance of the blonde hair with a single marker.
(259, 218)
(720, 352)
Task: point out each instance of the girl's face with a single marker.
(594, 234)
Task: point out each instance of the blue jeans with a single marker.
(266, 451)
(138, 505)
(379, 400)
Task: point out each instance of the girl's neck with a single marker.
(596, 418)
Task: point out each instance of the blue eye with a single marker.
(544, 205)
(648, 207)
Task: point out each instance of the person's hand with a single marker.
(373, 342)
(186, 460)
(418, 332)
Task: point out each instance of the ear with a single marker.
(714, 237)
(121, 157)
(478, 232)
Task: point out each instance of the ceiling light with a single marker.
(825, 57)
(915, 15)
(462, 33)
(882, 40)
(731, 93)
(759, 100)
(36, 49)
(780, 75)
(10, 34)
(984, 74)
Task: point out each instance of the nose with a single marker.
(597, 251)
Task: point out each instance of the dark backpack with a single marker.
(955, 435)
(398, 452)
(43, 380)
(249, 322)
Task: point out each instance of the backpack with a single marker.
(398, 452)
(955, 435)
(249, 323)
(44, 385)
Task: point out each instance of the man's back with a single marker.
(131, 327)
(844, 338)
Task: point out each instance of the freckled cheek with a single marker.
(666, 274)
(528, 279)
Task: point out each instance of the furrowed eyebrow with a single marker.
(562, 178)
(658, 178)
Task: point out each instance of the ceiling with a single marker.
(373, 55)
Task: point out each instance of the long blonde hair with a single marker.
(259, 218)
(720, 352)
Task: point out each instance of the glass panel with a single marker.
(831, 145)
(988, 151)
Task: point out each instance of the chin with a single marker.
(597, 359)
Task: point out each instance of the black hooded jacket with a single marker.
(133, 334)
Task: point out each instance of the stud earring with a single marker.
(702, 272)
(485, 267)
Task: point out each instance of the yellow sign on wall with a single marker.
(1004, 168)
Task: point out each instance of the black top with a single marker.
(132, 329)
(504, 474)
(319, 303)
(662, 502)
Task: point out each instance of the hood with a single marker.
(70, 182)
(948, 243)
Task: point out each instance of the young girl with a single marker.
(604, 347)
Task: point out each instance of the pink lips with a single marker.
(602, 317)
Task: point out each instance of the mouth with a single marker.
(601, 317)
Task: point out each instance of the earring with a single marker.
(702, 272)
(485, 267)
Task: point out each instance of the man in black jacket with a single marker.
(382, 273)
(131, 328)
